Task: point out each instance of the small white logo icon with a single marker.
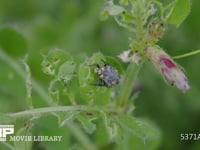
(5, 130)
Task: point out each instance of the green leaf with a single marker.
(6, 119)
(87, 77)
(53, 60)
(60, 65)
(73, 95)
(128, 18)
(136, 143)
(86, 122)
(113, 10)
(115, 63)
(64, 118)
(55, 95)
(68, 117)
(87, 74)
(179, 12)
(124, 2)
(12, 42)
(22, 144)
(138, 127)
(113, 128)
(66, 71)
(100, 136)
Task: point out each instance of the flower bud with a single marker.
(171, 72)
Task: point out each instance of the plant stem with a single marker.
(187, 54)
(138, 12)
(43, 110)
(127, 86)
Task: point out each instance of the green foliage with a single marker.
(137, 15)
(23, 145)
(8, 36)
(114, 10)
(86, 122)
(28, 84)
(143, 134)
(6, 119)
(56, 90)
(140, 128)
(87, 76)
(179, 12)
(52, 61)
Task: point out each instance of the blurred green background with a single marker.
(75, 26)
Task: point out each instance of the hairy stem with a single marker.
(127, 86)
(44, 110)
(138, 12)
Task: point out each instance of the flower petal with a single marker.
(171, 72)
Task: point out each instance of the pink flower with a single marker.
(171, 72)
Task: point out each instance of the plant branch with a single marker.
(187, 54)
(44, 110)
(128, 82)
